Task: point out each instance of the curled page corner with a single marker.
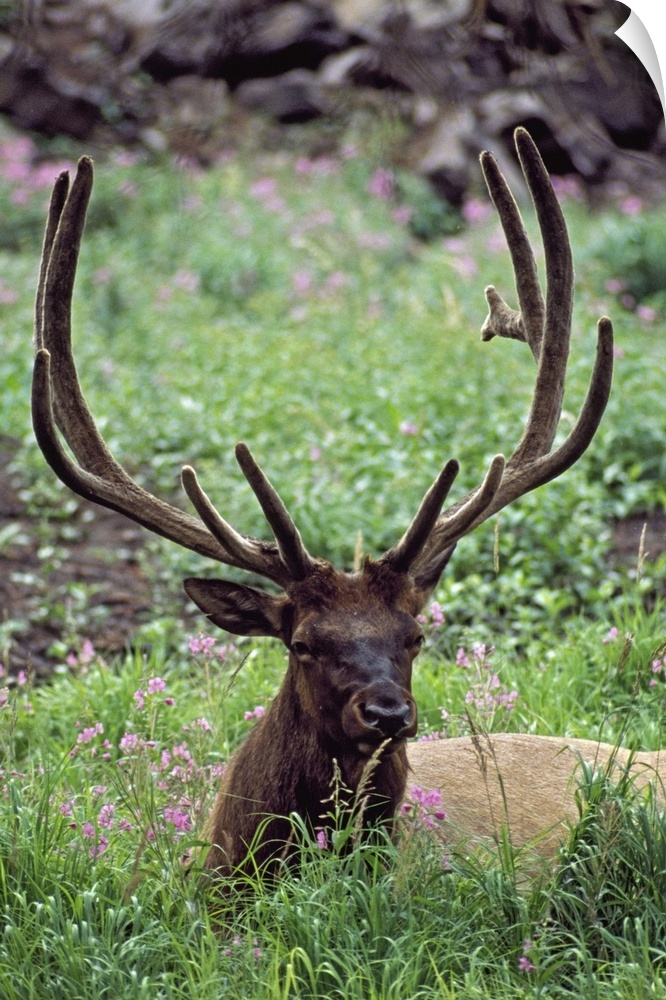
(634, 34)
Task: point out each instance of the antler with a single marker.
(546, 328)
(58, 402)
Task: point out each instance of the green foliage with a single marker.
(631, 249)
(430, 216)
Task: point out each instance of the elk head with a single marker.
(351, 636)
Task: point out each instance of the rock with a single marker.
(236, 41)
(31, 100)
(170, 74)
(292, 97)
(447, 162)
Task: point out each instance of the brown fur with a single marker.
(524, 783)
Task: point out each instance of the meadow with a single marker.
(325, 308)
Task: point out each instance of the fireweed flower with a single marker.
(424, 807)
(474, 210)
(658, 667)
(647, 314)
(382, 184)
(131, 743)
(408, 428)
(524, 963)
(105, 818)
(179, 819)
(88, 734)
(487, 693)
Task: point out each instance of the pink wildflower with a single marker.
(187, 281)
(425, 806)
(99, 847)
(474, 210)
(265, 187)
(301, 280)
(105, 817)
(382, 184)
(524, 963)
(89, 733)
(647, 314)
(632, 205)
(130, 743)
(201, 644)
(402, 215)
(615, 285)
(408, 428)
(180, 750)
(180, 820)
(335, 280)
(462, 658)
(156, 684)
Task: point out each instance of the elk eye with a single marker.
(300, 649)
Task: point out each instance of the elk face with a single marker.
(355, 675)
(352, 640)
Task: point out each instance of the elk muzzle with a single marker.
(380, 713)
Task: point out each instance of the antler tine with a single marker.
(57, 399)
(289, 542)
(247, 551)
(534, 321)
(402, 555)
(552, 364)
(552, 465)
(56, 205)
(502, 321)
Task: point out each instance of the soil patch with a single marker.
(627, 535)
(39, 577)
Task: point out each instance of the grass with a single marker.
(285, 300)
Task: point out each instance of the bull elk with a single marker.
(352, 637)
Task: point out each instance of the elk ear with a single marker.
(239, 609)
(427, 577)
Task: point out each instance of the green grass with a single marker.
(278, 302)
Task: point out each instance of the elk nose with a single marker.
(388, 719)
